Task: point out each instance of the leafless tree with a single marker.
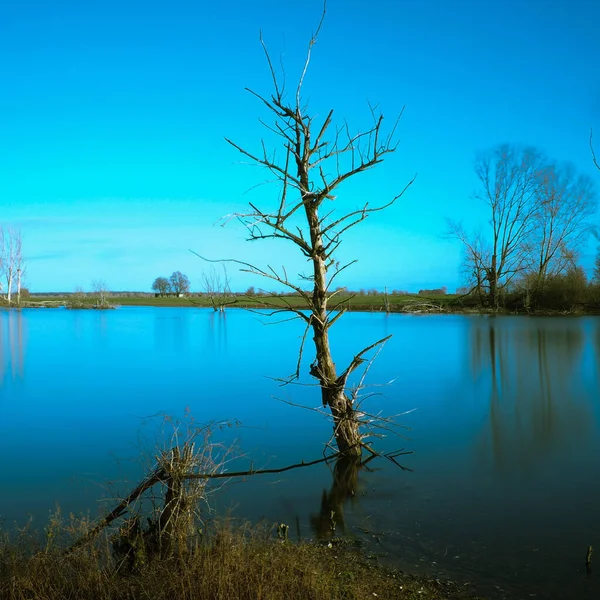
(216, 287)
(179, 283)
(161, 285)
(100, 288)
(510, 178)
(313, 159)
(12, 262)
(20, 263)
(78, 298)
(566, 202)
(9, 262)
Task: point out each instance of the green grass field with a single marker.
(359, 302)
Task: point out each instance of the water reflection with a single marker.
(496, 398)
(12, 345)
(597, 356)
(217, 330)
(172, 330)
(329, 521)
(537, 405)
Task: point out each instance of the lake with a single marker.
(504, 489)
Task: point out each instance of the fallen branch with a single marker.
(421, 307)
(161, 475)
(120, 509)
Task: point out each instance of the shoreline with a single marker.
(238, 557)
(409, 305)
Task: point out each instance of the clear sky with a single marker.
(113, 117)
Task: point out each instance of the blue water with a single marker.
(504, 484)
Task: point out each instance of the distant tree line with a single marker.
(539, 217)
(177, 284)
(434, 292)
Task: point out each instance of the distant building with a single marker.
(171, 294)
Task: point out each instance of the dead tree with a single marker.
(314, 159)
(217, 289)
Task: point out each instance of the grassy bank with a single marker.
(370, 303)
(449, 303)
(233, 564)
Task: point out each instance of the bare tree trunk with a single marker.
(9, 283)
(345, 424)
(19, 286)
(493, 284)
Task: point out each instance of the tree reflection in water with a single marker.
(537, 404)
(330, 519)
(12, 344)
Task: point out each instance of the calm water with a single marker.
(504, 489)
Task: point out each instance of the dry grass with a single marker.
(233, 563)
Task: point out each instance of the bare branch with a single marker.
(357, 361)
(363, 212)
(311, 43)
(592, 149)
(301, 350)
(265, 162)
(249, 268)
(271, 69)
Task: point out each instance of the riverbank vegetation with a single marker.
(371, 301)
(232, 563)
(569, 293)
(539, 216)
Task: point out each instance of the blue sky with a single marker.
(113, 117)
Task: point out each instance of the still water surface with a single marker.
(504, 489)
